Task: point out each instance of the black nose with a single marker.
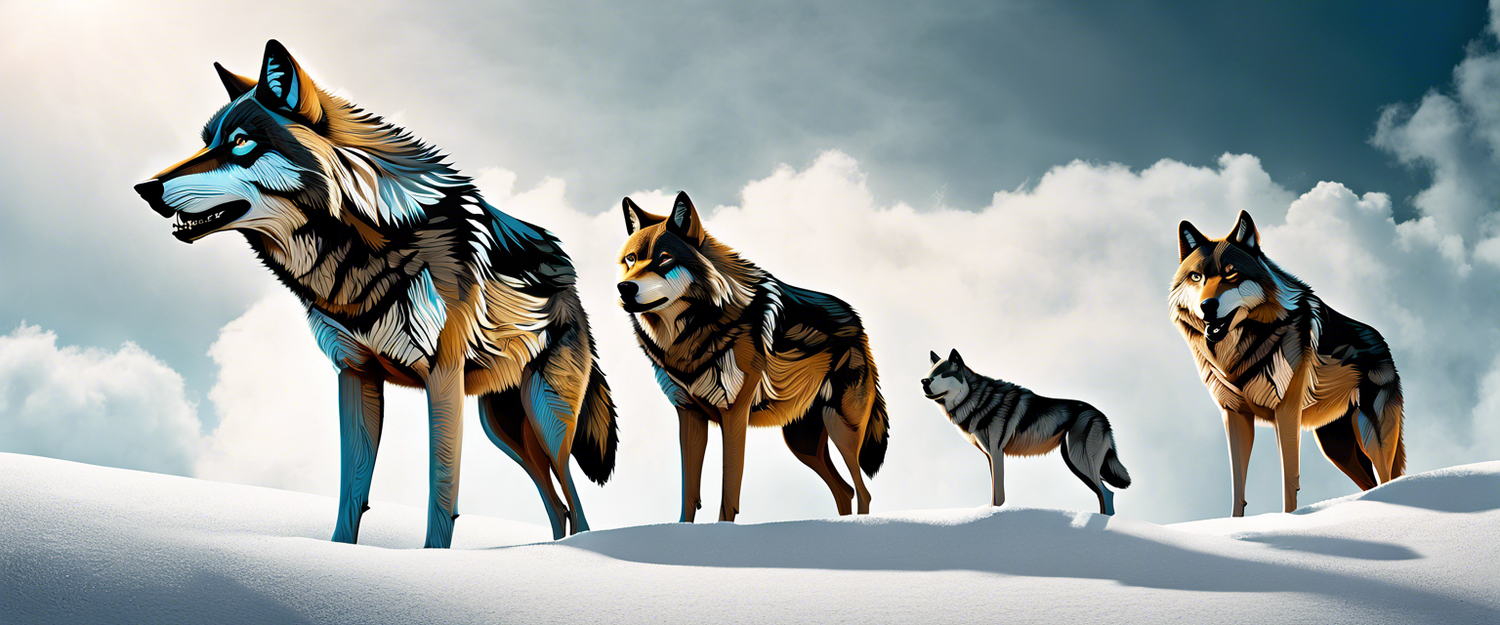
(627, 290)
(925, 382)
(151, 191)
(1210, 308)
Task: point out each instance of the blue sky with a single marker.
(929, 109)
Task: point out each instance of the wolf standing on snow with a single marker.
(1270, 351)
(733, 345)
(409, 277)
(1002, 419)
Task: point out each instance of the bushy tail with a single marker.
(1113, 472)
(877, 433)
(598, 434)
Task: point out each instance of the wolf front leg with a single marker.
(360, 416)
(1289, 434)
(445, 405)
(1239, 428)
(692, 431)
(997, 478)
(735, 424)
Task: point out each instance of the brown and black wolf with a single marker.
(409, 277)
(1270, 350)
(733, 345)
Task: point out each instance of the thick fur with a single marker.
(733, 345)
(409, 277)
(1001, 418)
(1271, 352)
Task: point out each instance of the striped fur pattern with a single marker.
(409, 277)
(1000, 419)
(1271, 352)
(733, 345)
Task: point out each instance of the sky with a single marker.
(969, 176)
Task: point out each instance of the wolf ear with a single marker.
(635, 218)
(956, 359)
(285, 87)
(235, 84)
(935, 357)
(684, 221)
(1188, 239)
(1245, 234)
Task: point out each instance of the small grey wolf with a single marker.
(733, 345)
(1003, 419)
(1261, 337)
(409, 277)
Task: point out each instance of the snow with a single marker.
(86, 544)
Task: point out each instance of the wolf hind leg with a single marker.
(1339, 440)
(504, 421)
(848, 440)
(808, 441)
(1075, 456)
(576, 521)
(361, 414)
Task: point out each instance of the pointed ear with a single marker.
(956, 359)
(235, 84)
(1244, 233)
(684, 221)
(635, 218)
(285, 88)
(935, 357)
(1188, 239)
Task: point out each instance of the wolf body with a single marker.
(409, 277)
(1271, 352)
(1001, 418)
(733, 345)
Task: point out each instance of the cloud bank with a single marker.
(121, 408)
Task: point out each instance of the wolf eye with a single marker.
(1195, 276)
(629, 259)
(664, 257)
(1232, 276)
(242, 145)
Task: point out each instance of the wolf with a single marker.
(1271, 352)
(733, 345)
(409, 277)
(1001, 418)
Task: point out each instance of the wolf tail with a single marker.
(877, 434)
(1113, 472)
(598, 433)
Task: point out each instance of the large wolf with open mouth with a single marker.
(409, 277)
(1270, 350)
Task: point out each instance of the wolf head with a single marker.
(670, 260)
(283, 152)
(947, 383)
(1223, 282)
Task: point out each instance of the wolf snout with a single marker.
(1210, 308)
(627, 290)
(151, 191)
(927, 385)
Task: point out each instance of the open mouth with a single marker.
(189, 228)
(1214, 331)
(637, 307)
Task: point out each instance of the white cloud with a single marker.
(121, 408)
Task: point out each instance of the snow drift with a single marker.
(80, 543)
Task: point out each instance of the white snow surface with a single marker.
(87, 544)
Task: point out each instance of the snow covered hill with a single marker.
(85, 544)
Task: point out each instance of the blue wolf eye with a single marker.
(243, 145)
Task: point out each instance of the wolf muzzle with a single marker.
(1214, 326)
(151, 191)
